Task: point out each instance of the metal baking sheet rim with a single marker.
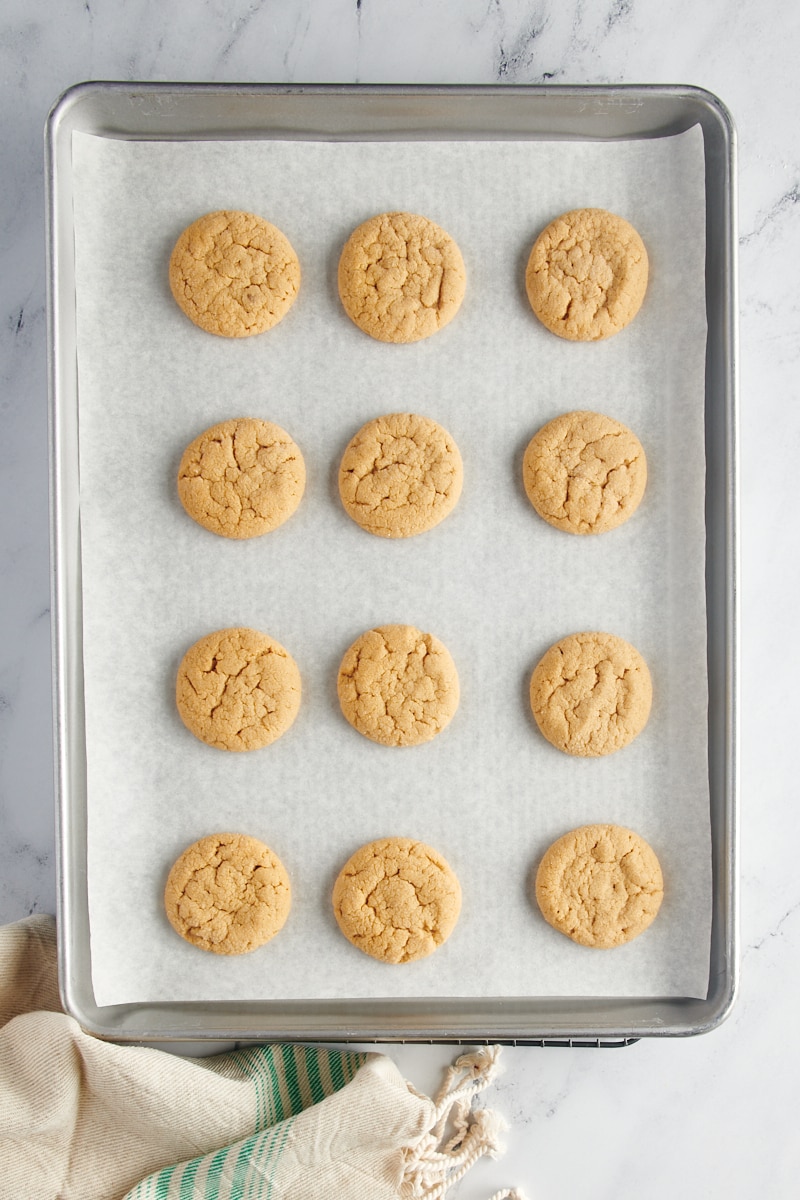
(179, 111)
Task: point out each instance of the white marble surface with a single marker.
(706, 1117)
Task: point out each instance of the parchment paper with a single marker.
(493, 582)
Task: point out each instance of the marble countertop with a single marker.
(702, 1117)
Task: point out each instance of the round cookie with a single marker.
(401, 277)
(601, 885)
(241, 478)
(397, 900)
(591, 694)
(234, 274)
(398, 686)
(237, 689)
(400, 475)
(587, 275)
(584, 472)
(228, 893)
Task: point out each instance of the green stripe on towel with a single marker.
(286, 1080)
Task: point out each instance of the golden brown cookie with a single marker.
(591, 694)
(397, 900)
(601, 885)
(398, 686)
(228, 893)
(587, 275)
(400, 475)
(241, 478)
(234, 274)
(584, 473)
(401, 277)
(237, 689)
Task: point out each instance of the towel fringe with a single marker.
(437, 1161)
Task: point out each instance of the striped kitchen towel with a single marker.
(82, 1119)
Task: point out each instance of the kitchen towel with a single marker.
(83, 1119)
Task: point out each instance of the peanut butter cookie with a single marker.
(397, 900)
(584, 473)
(234, 274)
(400, 475)
(587, 275)
(241, 478)
(401, 277)
(228, 893)
(398, 686)
(601, 885)
(591, 694)
(237, 689)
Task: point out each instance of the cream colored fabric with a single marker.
(82, 1119)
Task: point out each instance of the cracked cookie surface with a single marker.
(397, 900)
(587, 275)
(237, 689)
(400, 475)
(228, 893)
(591, 694)
(601, 885)
(584, 472)
(401, 277)
(241, 478)
(234, 274)
(398, 686)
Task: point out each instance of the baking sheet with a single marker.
(493, 582)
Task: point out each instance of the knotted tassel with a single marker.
(436, 1162)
